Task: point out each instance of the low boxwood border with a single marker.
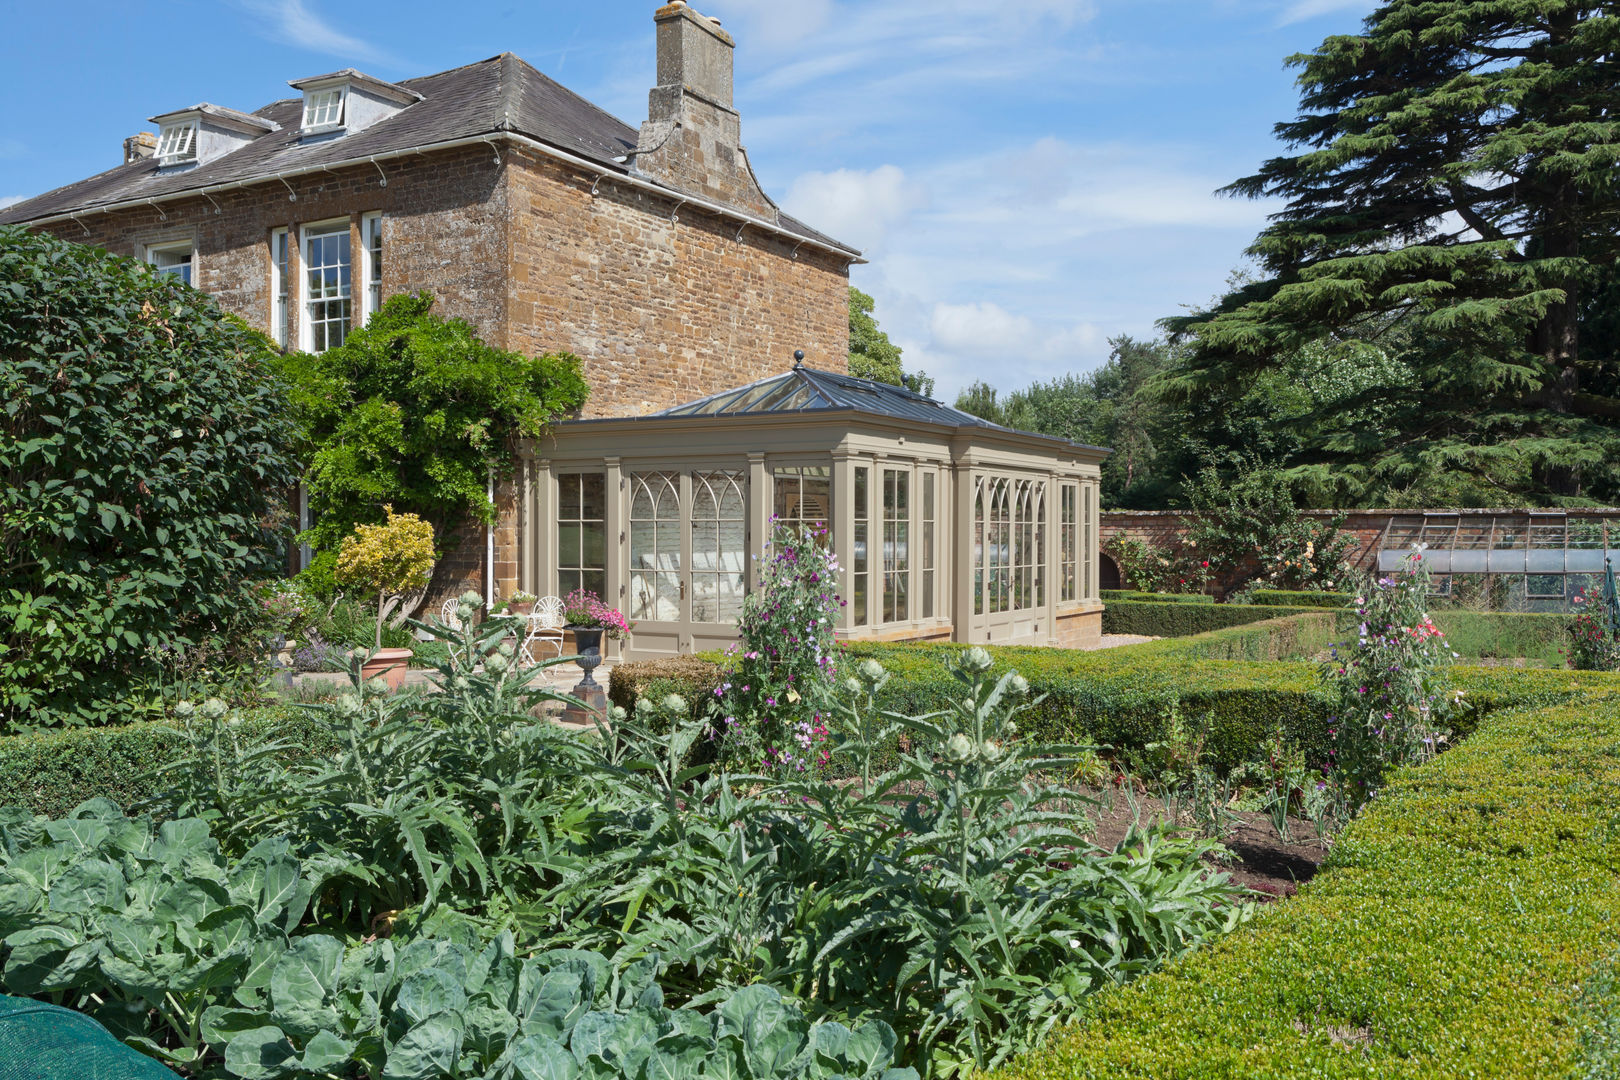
(1448, 934)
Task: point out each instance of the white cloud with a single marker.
(771, 23)
(857, 207)
(11, 200)
(292, 23)
(1017, 263)
(1301, 10)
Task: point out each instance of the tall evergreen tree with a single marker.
(1457, 182)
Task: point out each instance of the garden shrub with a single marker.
(415, 410)
(1147, 567)
(1447, 935)
(1300, 598)
(1161, 619)
(144, 454)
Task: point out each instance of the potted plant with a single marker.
(393, 560)
(521, 603)
(589, 619)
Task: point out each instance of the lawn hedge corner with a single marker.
(1448, 934)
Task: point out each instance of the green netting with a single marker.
(43, 1042)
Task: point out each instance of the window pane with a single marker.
(568, 496)
(593, 496)
(593, 544)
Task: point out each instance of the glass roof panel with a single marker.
(749, 399)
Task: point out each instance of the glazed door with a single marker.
(688, 552)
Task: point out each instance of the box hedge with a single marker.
(1153, 597)
(52, 772)
(1448, 934)
(1122, 697)
(1296, 598)
(1158, 618)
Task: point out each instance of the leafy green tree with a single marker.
(1455, 183)
(144, 452)
(872, 355)
(979, 400)
(415, 411)
(1116, 406)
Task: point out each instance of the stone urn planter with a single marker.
(588, 643)
(388, 664)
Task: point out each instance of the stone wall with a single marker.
(444, 230)
(665, 304)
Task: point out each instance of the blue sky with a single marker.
(1028, 177)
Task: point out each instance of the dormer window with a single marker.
(323, 109)
(347, 101)
(204, 132)
(177, 142)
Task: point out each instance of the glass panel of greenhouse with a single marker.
(1526, 561)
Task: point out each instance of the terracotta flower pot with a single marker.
(526, 608)
(390, 665)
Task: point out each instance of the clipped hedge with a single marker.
(692, 677)
(1122, 697)
(1154, 597)
(1448, 934)
(1300, 598)
(50, 773)
(1291, 637)
(1163, 618)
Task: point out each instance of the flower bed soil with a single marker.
(1261, 860)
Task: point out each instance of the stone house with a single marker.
(547, 224)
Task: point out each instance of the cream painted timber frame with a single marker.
(958, 458)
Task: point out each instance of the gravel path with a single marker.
(1114, 641)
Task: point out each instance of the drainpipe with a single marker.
(489, 550)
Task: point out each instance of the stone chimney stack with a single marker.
(139, 147)
(692, 139)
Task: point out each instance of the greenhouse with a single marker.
(947, 527)
(1528, 561)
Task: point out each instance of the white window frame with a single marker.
(306, 320)
(281, 294)
(316, 104)
(177, 143)
(370, 265)
(174, 247)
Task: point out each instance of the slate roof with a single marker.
(501, 94)
(805, 390)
